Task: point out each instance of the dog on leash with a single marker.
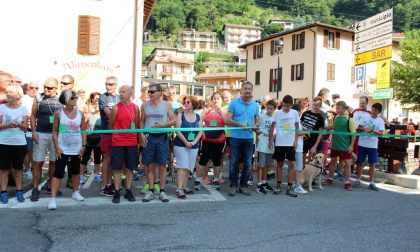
(311, 171)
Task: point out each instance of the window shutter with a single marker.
(270, 85)
(332, 71)
(337, 40)
(255, 52)
(293, 42)
(88, 37)
(301, 71)
(353, 77)
(293, 72)
(257, 77)
(302, 40)
(262, 50)
(272, 47)
(326, 38)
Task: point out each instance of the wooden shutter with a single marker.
(262, 50)
(270, 85)
(337, 40)
(326, 38)
(255, 52)
(272, 47)
(293, 42)
(293, 73)
(257, 77)
(88, 37)
(302, 40)
(301, 71)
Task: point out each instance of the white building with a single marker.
(171, 64)
(198, 41)
(236, 35)
(286, 24)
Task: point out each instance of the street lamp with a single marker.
(279, 44)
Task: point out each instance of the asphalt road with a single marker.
(328, 220)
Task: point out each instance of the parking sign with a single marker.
(360, 73)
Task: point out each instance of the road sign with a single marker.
(374, 55)
(378, 19)
(375, 32)
(375, 43)
(360, 73)
(387, 93)
(383, 74)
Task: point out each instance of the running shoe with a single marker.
(339, 176)
(197, 185)
(245, 191)
(188, 191)
(216, 185)
(250, 183)
(291, 192)
(180, 194)
(156, 189)
(77, 197)
(141, 172)
(206, 181)
(261, 189)
(35, 194)
(232, 191)
(19, 197)
(356, 183)
(82, 179)
(97, 178)
(145, 189)
(221, 181)
(163, 197)
(267, 187)
(299, 189)
(278, 189)
(149, 196)
(4, 198)
(116, 197)
(328, 181)
(136, 175)
(28, 175)
(52, 205)
(129, 196)
(373, 187)
(105, 191)
(348, 187)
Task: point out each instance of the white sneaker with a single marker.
(28, 175)
(77, 197)
(52, 205)
(299, 189)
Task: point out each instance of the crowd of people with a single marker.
(260, 136)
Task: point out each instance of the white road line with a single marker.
(218, 196)
(13, 201)
(89, 181)
(385, 188)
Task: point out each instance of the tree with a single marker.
(406, 75)
(271, 29)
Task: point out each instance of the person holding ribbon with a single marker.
(70, 144)
(242, 112)
(186, 144)
(213, 141)
(125, 115)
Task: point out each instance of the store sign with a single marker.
(383, 74)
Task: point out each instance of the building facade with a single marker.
(236, 35)
(314, 56)
(224, 81)
(198, 41)
(171, 64)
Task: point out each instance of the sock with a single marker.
(152, 190)
(162, 190)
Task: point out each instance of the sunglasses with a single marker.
(65, 83)
(73, 98)
(110, 84)
(187, 102)
(35, 88)
(18, 82)
(49, 88)
(152, 91)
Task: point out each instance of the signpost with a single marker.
(376, 31)
(374, 55)
(387, 93)
(374, 43)
(360, 73)
(378, 19)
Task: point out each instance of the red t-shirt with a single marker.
(124, 119)
(214, 119)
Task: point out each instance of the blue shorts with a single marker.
(124, 157)
(29, 144)
(372, 154)
(156, 150)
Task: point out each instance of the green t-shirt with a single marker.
(342, 124)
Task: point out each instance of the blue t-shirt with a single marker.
(243, 113)
(106, 101)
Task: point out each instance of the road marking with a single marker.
(385, 188)
(89, 181)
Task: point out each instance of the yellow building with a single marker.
(224, 81)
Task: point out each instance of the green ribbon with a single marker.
(168, 130)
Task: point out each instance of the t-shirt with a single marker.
(342, 124)
(299, 146)
(312, 121)
(12, 136)
(243, 113)
(264, 126)
(27, 102)
(214, 119)
(359, 116)
(106, 101)
(285, 126)
(375, 124)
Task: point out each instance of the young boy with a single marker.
(265, 154)
(342, 145)
(286, 121)
(368, 146)
(297, 188)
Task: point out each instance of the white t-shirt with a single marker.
(359, 116)
(299, 147)
(375, 124)
(16, 136)
(27, 102)
(285, 121)
(264, 126)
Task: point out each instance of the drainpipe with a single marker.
(314, 64)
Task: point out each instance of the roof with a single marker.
(147, 11)
(153, 53)
(242, 26)
(220, 75)
(296, 30)
(181, 60)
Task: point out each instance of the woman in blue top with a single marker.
(186, 144)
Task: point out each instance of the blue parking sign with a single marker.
(360, 73)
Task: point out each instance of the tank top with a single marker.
(155, 114)
(94, 124)
(70, 142)
(46, 109)
(125, 118)
(214, 119)
(187, 124)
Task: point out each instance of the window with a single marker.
(183, 69)
(257, 77)
(176, 88)
(209, 91)
(88, 34)
(258, 51)
(198, 90)
(331, 39)
(297, 72)
(273, 80)
(330, 71)
(298, 41)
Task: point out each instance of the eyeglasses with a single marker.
(110, 84)
(49, 88)
(73, 98)
(35, 88)
(65, 83)
(152, 91)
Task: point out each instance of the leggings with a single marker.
(96, 155)
(71, 161)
